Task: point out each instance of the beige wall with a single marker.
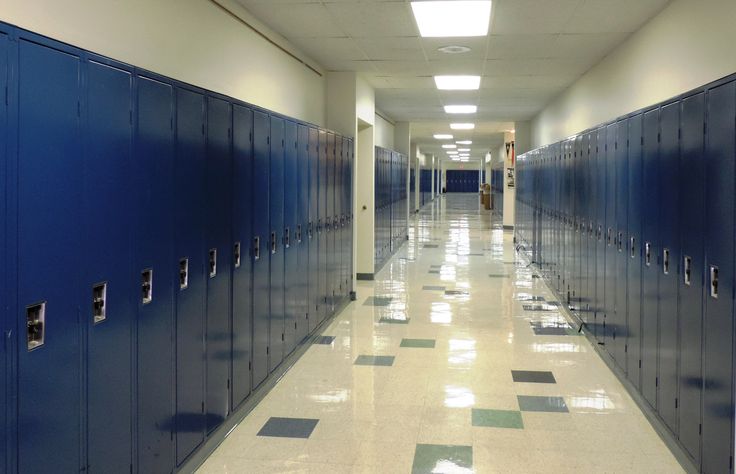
(200, 44)
(384, 132)
(690, 43)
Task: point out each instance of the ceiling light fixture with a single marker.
(451, 145)
(442, 136)
(465, 142)
(463, 149)
(461, 109)
(452, 18)
(457, 83)
(451, 152)
(453, 49)
(462, 126)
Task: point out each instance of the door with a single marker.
(277, 244)
(291, 244)
(261, 233)
(313, 232)
(302, 232)
(634, 251)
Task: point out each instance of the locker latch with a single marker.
(299, 233)
(309, 230)
(714, 281)
(273, 242)
(35, 325)
(99, 295)
(666, 261)
(687, 272)
(319, 226)
(632, 245)
(236, 254)
(256, 248)
(183, 273)
(608, 237)
(147, 286)
(647, 254)
(287, 238)
(620, 241)
(599, 232)
(213, 262)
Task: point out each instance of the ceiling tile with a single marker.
(532, 16)
(404, 49)
(619, 16)
(419, 68)
(371, 20)
(329, 50)
(520, 46)
(296, 20)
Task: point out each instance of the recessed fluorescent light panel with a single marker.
(461, 109)
(442, 136)
(449, 146)
(462, 126)
(452, 152)
(463, 149)
(457, 83)
(438, 19)
(465, 142)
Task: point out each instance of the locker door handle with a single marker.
(647, 254)
(714, 281)
(666, 261)
(632, 245)
(687, 272)
(236, 254)
(213, 262)
(608, 237)
(183, 273)
(35, 325)
(99, 296)
(287, 238)
(309, 230)
(147, 286)
(319, 226)
(256, 248)
(620, 241)
(299, 233)
(273, 242)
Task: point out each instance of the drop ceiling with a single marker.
(535, 50)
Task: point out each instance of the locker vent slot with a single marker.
(183, 273)
(666, 261)
(236, 254)
(147, 286)
(99, 296)
(213, 263)
(647, 254)
(256, 248)
(687, 269)
(35, 325)
(713, 281)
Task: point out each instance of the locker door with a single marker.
(634, 250)
(650, 247)
(669, 256)
(242, 237)
(154, 273)
(719, 254)
(107, 181)
(345, 204)
(4, 301)
(330, 224)
(351, 166)
(620, 302)
(691, 275)
(587, 194)
(302, 259)
(313, 232)
(48, 226)
(609, 315)
(261, 250)
(291, 271)
(323, 217)
(600, 267)
(219, 260)
(339, 228)
(191, 293)
(276, 245)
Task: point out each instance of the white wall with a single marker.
(385, 131)
(690, 43)
(194, 41)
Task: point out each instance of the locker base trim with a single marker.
(364, 276)
(215, 438)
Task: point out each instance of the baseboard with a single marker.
(364, 276)
(508, 227)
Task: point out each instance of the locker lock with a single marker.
(213, 262)
(299, 233)
(236, 254)
(256, 248)
(632, 247)
(666, 261)
(687, 273)
(608, 237)
(713, 281)
(309, 230)
(599, 232)
(99, 295)
(183, 273)
(35, 325)
(620, 241)
(647, 254)
(273, 242)
(147, 286)
(287, 238)
(319, 226)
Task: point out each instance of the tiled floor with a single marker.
(436, 393)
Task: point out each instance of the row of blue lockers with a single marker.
(164, 249)
(462, 181)
(633, 223)
(425, 185)
(391, 213)
(497, 177)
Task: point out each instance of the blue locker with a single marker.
(48, 238)
(634, 250)
(191, 293)
(669, 256)
(261, 232)
(600, 266)
(351, 219)
(322, 226)
(276, 216)
(609, 315)
(587, 230)
(154, 271)
(718, 410)
(219, 260)
(650, 251)
(243, 262)
(691, 272)
(313, 232)
(107, 181)
(6, 285)
(302, 234)
(345, 213)
(620, 303)
(330, 224)
(291, 272)
(339, 230)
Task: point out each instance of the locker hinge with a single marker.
(282, 142)
(268, 140)
(131, 468)
(202, 129)
(642, 141)
(171, 123)
(679, 133)
(627, 143)
(268, 350)
(228, 133)
(228, 384)
(250, 137)
(730, 463)
(705, 128)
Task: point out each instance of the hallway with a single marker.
(454, 360)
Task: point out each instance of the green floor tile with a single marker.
(435, 458)
(385, 320)
(419, 343)
(497, 418)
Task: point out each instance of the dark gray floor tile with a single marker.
(546, 331)
(434, 458)
(498, 275)
(418, 343)
(325, 340)
(456, 292)
(288, 427)
(533, 376)
(385, 320)
(433, 288)
(377, 301)
(437, 272)
(545, 404)
(430, 246)
(385, 361)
